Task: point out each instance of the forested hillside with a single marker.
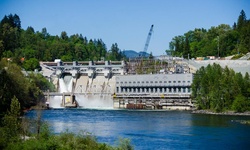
(18, 43)
(220, 41)
(220, 89)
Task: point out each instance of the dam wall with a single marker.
(106, 85)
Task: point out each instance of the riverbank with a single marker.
(210, 112)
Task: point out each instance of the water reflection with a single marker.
(153, 129)
(210, 120)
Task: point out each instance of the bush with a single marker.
(124, 144)
(237, 56)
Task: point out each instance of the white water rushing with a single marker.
(65, 85)
(95, 101)
(97, 94)
(89, 100)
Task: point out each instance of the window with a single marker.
(138, 81)
(183, 81)
(174, 81)
(121, 82)
(125, 82)
(151, 82)
(188, 81)
(165, 81)
(146, 81)
(179, 81)
(129, 82)
(117, 82)
(134, 82)
(169, 81)
(160, 82)
(142, 82)
(156, 81)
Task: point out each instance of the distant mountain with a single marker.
(132, 53)
(145, 54)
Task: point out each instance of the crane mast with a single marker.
(148, 40)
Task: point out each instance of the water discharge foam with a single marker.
(95, 101)
(65, 85)
(95, 93)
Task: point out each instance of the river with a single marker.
(153, 129)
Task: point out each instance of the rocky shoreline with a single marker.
(231, 113)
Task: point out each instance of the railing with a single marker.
(69, 93)
(155, 95)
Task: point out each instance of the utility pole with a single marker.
(238, 46)
(218, 38)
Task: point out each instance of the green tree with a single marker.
(240, 104)
(66, 58)
(45, 34)
(115, 53)
(64, 36)
(41, 82)
(31, 64)
(10, 28)
(212, 90)
(11, 124)
(221, 40)
(241, 20)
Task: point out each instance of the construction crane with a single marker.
(148, 40)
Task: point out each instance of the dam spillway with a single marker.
(107, 84)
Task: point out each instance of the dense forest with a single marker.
(27, 89)
(221, 89)
(17, 43)
(219, 41)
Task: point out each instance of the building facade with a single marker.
(154, 91)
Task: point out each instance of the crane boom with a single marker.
(148, 40)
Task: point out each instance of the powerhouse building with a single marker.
(153, 91)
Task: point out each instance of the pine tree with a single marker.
(241, 20)
(11, 124)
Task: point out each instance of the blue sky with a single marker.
(125, 22)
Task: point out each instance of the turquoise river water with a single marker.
(153, 129)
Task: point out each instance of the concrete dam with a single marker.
(107, 85)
